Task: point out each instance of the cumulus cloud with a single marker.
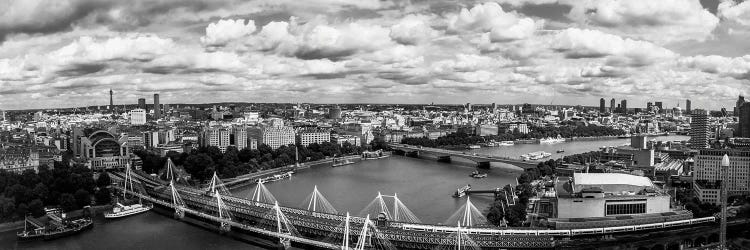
(738, 12)
(737, 67)
(659, 21)
(490, 17)
(224, 31)
(318, 39)
(413, 29)
(584, 43)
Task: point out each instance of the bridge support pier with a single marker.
(413, 154)
(484, 165)
(446, 158)
(225, 227)
(179, 213)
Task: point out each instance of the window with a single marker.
(626, 208)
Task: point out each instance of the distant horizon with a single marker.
(363, 103)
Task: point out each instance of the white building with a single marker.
(609, 199)
(707, 170)
(306, 137)
(137, 117)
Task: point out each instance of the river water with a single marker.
(424, 186)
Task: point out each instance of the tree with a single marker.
(67, 202)
(103, 180)
(516, 215)
(36, 207)
(83, 198)
(496, 213)
(103, 196)
(196, 165)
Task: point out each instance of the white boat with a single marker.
(535, 155)
(120, 210)
(550, 140)
(474, 147)
(507, 143)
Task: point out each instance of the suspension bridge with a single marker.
(385, 223)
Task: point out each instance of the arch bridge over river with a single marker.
(320, 226)
(482, 160)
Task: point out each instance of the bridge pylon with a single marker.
(177, 202)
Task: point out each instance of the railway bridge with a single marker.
(321, 226)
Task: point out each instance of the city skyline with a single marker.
(507, 51)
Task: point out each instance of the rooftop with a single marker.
(608, 181)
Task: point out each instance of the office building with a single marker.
(137, 117)
(142, 104)
(624, 106)
(150, 139)
(612, 105)
(157, 108)
(699, 129)
(688, 107)
(306, 137)
(468, 107)
(740, 102)
(216, 136)
(743, 127)
(111, 101)
(602, 106)
(239, 137)
(660, 106)
(707, 171)
(494, 108)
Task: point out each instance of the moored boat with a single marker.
(120, 210)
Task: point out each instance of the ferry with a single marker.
(53, 225)
(120, 210)
(473, 147)
(277, 177)
(477, 174)
(561, 151)
(507, 143)
(461, 192)
(341, 162)
(535, 155)
(626, 136)
(550, 140)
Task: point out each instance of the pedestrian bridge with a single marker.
(482, 160)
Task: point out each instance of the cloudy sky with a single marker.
(63, 53)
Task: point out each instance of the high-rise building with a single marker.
(602, 106)
(157, 108)
(687, 106)
(239, 137)
(743, 128)
(468, 107)
(740, 101)
(142, 104)
(2, 115)
(494, 107)
(137, 117)
(699, 129)
(707, 171)
(649, 106)
(111, 102)
(659, 105)
(624, 106)
(612, 105)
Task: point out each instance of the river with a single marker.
(424, 186)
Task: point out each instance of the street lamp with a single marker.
(724, 180)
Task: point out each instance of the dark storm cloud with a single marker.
(74, 70)
(550, 11)
(49, 16)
